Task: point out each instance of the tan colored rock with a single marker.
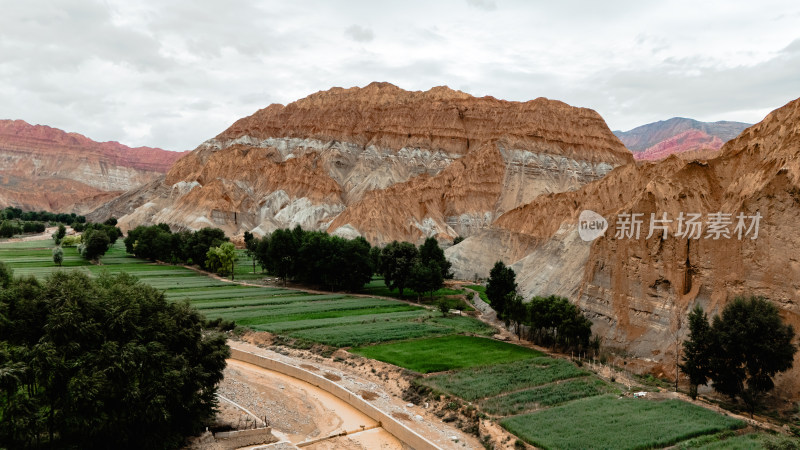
(634, 288)
(44, 168)
(382, 162)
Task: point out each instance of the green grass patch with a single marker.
(383, 316)
(378, 287)
(624, 423)
(548, 395)
(481, 290)
(481, 382)
(446, 353)
(362, 334)
(463, 324)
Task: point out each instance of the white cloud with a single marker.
(172, 74)
(359, 33)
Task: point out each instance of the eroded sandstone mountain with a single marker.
(44, 168)
(380, 162)
(633, 288)
(678, 135)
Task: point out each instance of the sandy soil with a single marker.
(381, 384)
(298, 411)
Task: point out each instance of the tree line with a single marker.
(550, 321)
(335, 263)
(11, 212)
(313, 257)
(159, 243)
(103, 362)
(10, 228)
(739, 351)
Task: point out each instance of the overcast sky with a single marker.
(172, 74)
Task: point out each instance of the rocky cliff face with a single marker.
(635, 288)
(658, 140)
(381, 162)
(43, 168)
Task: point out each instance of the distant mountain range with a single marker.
(44, 168)
(660, 139)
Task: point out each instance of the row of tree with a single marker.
(741, 350)
(102, 363)
(11, 212)
(335, 263)
(550, 321)
(422, 269)
(159, 243)
(313, 257)
(9, 228)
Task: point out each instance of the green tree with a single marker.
(222, 259)
(195, 245)
(502, 281)
(697, 350)
(443, 306)
(375, 259)
(751, 345)
(425, 277)
(397, 260)
(556, 322)
(458, 240)
(60, 233)
(6, 275)
(282, 254)
(251, 247)
(516, 312)
(90, 363)
(58, 256)
(95, 244)
(430, 252)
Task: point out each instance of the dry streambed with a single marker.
(299, 412)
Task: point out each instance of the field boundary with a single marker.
(390, 424)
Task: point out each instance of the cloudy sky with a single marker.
(173, 73)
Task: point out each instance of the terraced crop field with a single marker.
(548, 402)
(334, 319)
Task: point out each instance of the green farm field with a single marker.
(611, 422)
(548, 402)
(446, 353)
(338, 320)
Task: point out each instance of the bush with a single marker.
(71, 241)
(9, 229)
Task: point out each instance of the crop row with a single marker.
(548, 395)
(624, 423)
(481, 382)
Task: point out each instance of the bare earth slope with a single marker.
(381, 162)
(658, 140)
(634, 288)
(44, 168)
